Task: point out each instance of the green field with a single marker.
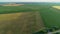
(14, 9)
(49, 15)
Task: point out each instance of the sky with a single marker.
(29, 0)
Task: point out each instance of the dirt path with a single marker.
(53, 32)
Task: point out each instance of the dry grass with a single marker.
(20, 23)
(57, 7)
(9, 16)
(13, 5)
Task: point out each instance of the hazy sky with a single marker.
(29, 0)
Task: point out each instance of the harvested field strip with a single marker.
(12, 5)
(57, 7)
(26, 23)
(9, 16)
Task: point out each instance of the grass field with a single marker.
(14, 9)
(51, 16)
(27, 18)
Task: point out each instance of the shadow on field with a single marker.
(24, 24)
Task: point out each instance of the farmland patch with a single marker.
(57, 7)
(20, 23)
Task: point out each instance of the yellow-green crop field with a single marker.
(57, 7)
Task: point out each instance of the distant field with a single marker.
(12, 5)
(57, 7)
(14, 9)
